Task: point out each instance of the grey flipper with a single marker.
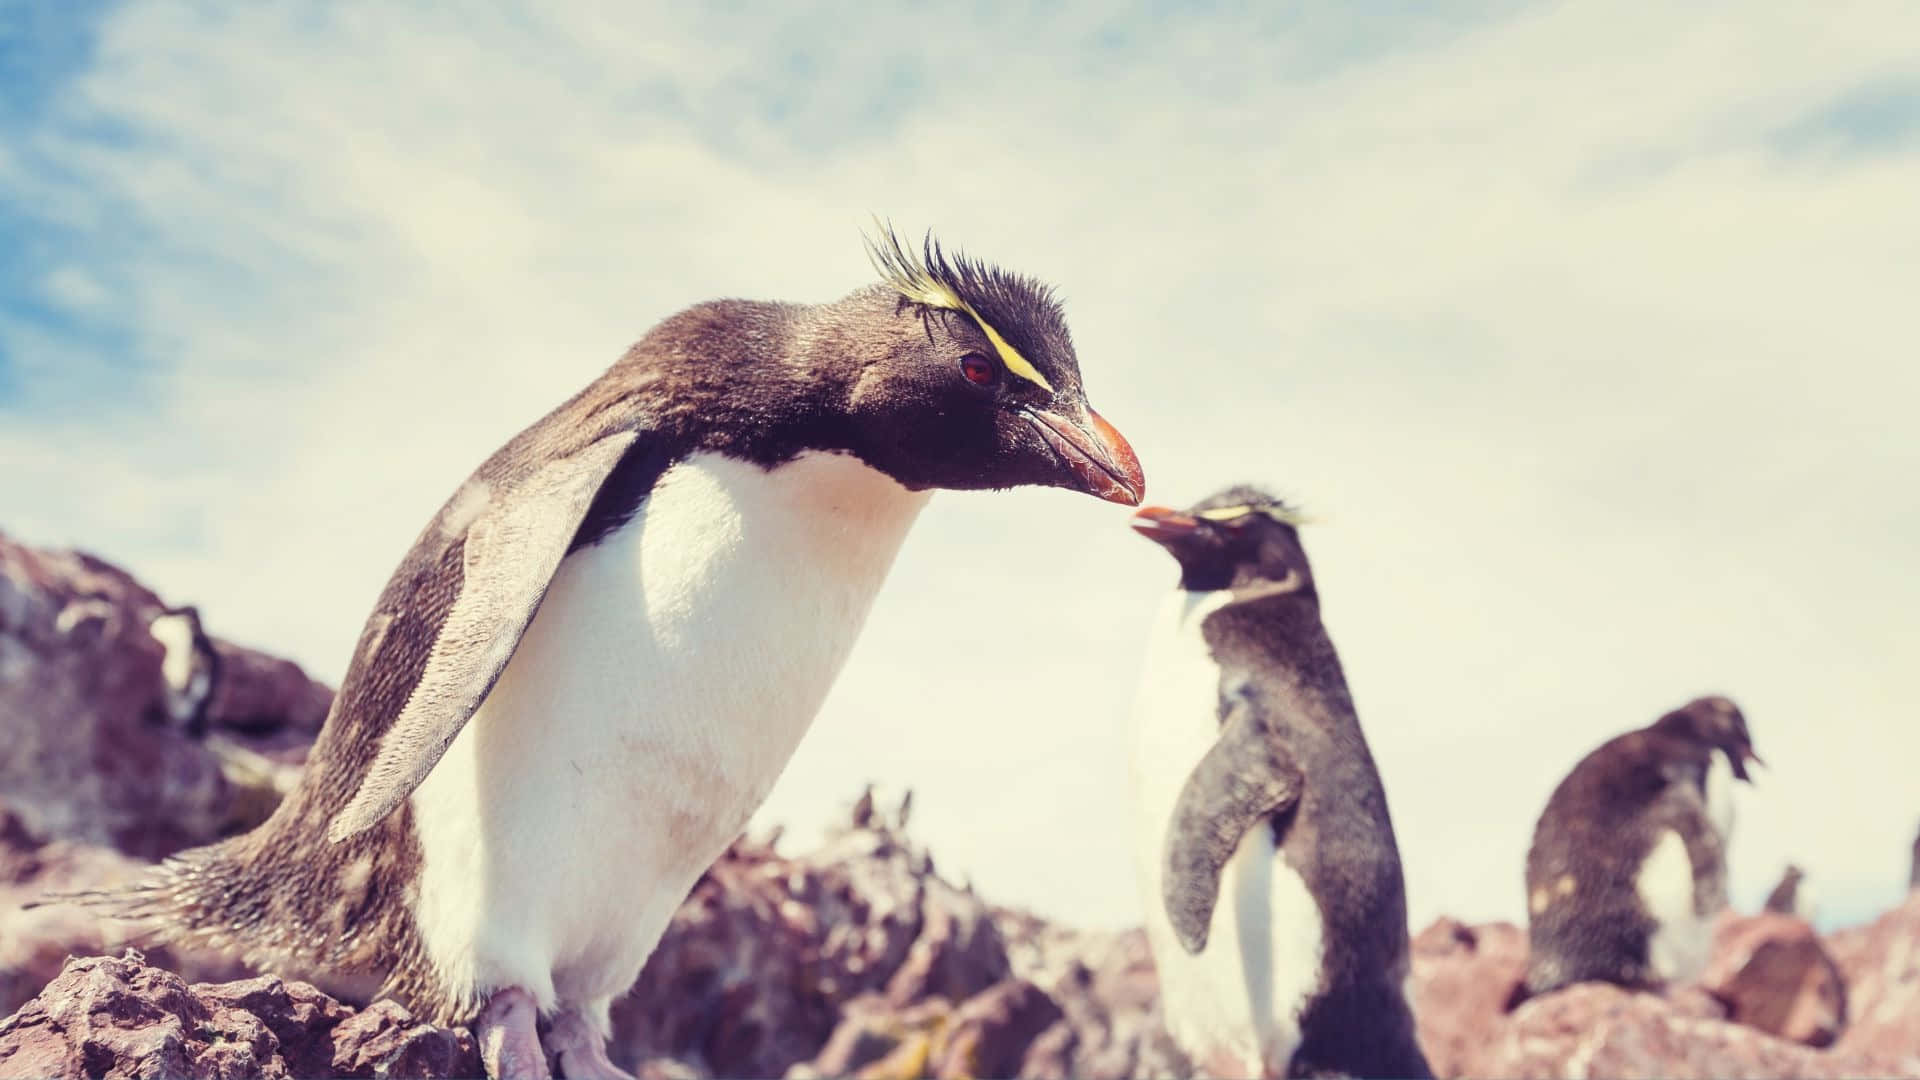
(512, 550)
(1242, 781)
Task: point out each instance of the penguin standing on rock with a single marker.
(1913, 875)
(600, 653)
(1792, 895)
(190, 667)
(1628, 864)
(1276, 910)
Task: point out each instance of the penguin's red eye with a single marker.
(979, 370)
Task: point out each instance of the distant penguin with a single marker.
(588, 670)
(190, 668)
(1792, 895)
(1276, 910)
(1628, 864)
(1913, 875)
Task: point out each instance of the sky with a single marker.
(1586, 329)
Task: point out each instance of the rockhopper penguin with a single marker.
(1628, 864)
(600, 653)
(1276, 910)
(190, 667)
(1792, 895)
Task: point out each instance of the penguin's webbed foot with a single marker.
(580, 1050)
(509, 1037)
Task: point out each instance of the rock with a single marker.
(760, 962)
(35, 942)
(1463, 975)
(1771, 973)
(1105, 985)
(989, 1034)
(1462, 979)
(90, 753)
(106, 1017)
(1881, 965)
(1600, 1030)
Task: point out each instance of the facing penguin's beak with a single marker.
(1162, 526)
(1097, 455)
(1741, 760)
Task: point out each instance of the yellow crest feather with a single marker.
(908, 275)
(1285, 515)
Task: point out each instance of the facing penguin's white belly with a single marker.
(667, 678)
(1236, 1006)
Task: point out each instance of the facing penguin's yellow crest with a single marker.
(1285, 515)
(908, 275)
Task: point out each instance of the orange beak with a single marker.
(1098, 456)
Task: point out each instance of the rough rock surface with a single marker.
(859, 958)
(106, 1017)
(1462, 976)
(35, 942)
(1771, 973)
(1881, 964)
(90, 756)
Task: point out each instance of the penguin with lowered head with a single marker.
(600, 653)
(1628, 865)
(1276, 910)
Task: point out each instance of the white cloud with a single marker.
(1605, 399)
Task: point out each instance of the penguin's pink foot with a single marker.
(581, 1050)
(509, 1037)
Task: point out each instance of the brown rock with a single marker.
(1463, 975)
(106, 1017)
(759, 963)
(1105, 985)
(89, 755)
(990, 1033)
(869, 1029)
(1599, 1030)
(36, 942)
(385, 1040)
(1772, 973)
(1462, 978)
(1881, 963)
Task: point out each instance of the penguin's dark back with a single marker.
(1585, 917)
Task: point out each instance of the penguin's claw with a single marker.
(581, 1051)
(509, 1037)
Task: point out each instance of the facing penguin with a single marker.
(1276, 910)
(602, 650)
(1628, 863)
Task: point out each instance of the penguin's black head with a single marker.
(1715, 722)
(967, 379)
(1241, 538)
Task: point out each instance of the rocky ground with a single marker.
(857, 959)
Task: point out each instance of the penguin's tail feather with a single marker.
(198, 898)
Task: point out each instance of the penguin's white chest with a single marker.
(663, 685)
(1682, 939)
(1236, 1006)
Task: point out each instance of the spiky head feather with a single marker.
(931, 280)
